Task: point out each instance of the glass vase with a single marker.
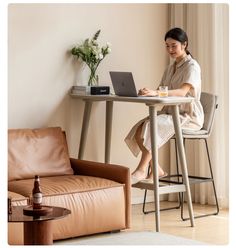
(93, 78)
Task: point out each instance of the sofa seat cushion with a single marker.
(92, 200)
(60, 185)
(17, 199)
(41, 152)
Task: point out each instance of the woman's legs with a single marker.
(146, 158)
(161, 172)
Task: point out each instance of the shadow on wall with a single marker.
(79, 69)
(68, 114)
(94, 147)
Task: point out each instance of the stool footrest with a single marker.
(192, 179)
(163, 189)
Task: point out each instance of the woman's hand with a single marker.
(147, 92)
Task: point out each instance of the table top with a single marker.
(149, 100)
(18, 215)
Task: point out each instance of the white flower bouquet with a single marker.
(92, 54)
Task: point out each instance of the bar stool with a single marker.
(209, 104)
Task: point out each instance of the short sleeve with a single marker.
(192, 75)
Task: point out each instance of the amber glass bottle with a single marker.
(37, 194)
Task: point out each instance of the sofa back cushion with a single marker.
(40, 152)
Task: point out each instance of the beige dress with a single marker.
(191, 114)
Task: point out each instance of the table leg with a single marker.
(38, 233)
(84, 131)
(182, 158)
(153, 133)
(109, 112)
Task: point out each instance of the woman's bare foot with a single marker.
(139, 175)
(161, 174)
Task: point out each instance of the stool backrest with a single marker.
(210, 104)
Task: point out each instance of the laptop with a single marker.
(123, 83)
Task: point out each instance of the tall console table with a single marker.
(151, 103)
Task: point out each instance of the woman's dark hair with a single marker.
(179, 35)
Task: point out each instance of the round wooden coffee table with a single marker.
(37, 228)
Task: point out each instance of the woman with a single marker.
(183, 78)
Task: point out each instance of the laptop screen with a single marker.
(123, 83)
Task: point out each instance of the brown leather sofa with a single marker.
(97, 194)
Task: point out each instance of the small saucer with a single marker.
(30, 211)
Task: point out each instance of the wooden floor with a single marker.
(211, 229)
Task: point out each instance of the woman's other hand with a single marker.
(147, 92)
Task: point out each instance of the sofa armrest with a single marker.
(117, 173)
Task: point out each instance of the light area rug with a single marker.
(130, 238)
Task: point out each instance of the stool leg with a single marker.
(144, 203)
(177, 170)
(182, 194)
(212, 177)
(145, 197)
(214, 189)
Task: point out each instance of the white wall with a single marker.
(41, 70)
